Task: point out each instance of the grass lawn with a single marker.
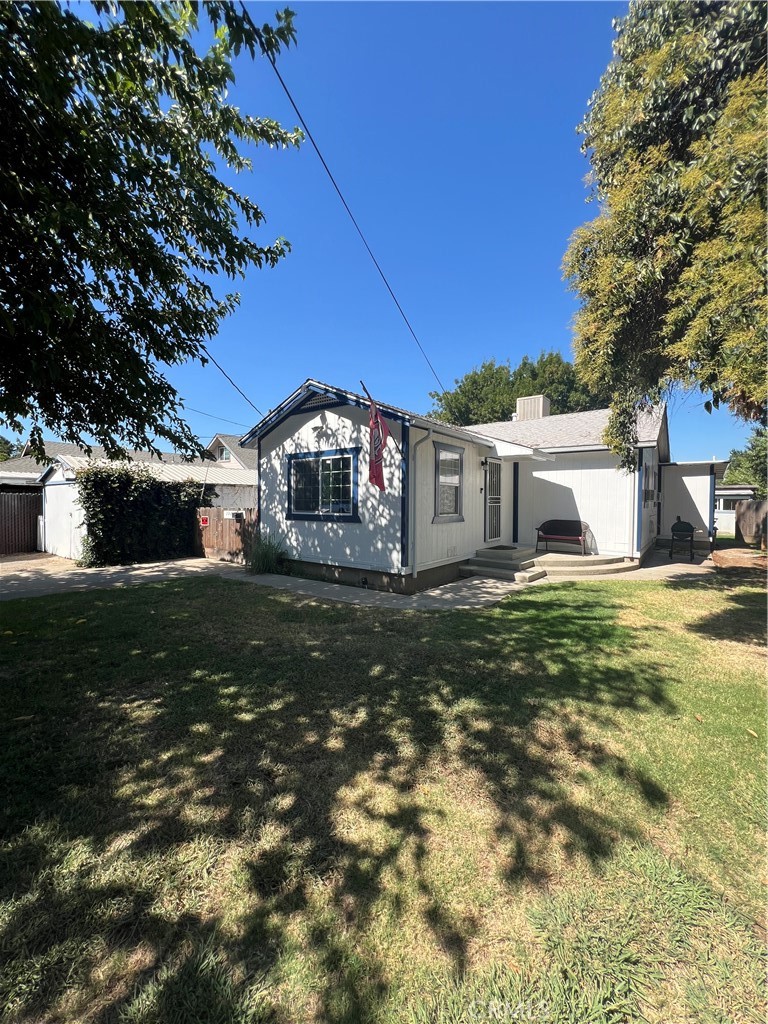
(224, 804)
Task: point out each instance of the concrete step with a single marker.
(584, 572)
(495, 563)
(497, 573)
(558, 560)
(505, 554)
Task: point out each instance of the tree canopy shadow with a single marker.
(201, 731)
(742, 619)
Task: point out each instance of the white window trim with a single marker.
(452, 517)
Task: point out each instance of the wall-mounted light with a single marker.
(484, 463)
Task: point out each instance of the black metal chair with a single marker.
(682, 533)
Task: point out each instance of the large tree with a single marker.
(671, 274)
(116, 215)
(749, 465)
(489, 393)
(9, 449)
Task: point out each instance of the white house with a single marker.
(451, 492)
(727, 497)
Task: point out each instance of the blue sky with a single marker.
(451, 129)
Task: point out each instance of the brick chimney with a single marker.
(536, 407)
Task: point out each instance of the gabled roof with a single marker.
(316, 391)
(247, 457)
(22, 469)
(572, 430)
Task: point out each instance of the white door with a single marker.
(493, 500)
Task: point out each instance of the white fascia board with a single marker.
(456, 433)
(510, 450)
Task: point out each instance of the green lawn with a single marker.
(223, 804)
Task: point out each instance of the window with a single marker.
(223, 454)
(449, 474)
(323, 485)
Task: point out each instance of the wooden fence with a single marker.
(18, 521)
(223, 538)
(752, 522)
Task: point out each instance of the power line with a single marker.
(352, 218)
(235, 386)
(221, 419)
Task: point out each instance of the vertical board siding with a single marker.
(64, 528)
(687, 493)
(226, 540)
(18, 521)
(436, 542)
(587, 486)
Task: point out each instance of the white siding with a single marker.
(687, 491)
(588, 486)
(62, 518)
(375, 542)
(440, 542)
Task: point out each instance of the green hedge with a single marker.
(131, 517)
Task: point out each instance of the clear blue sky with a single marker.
(451, 129)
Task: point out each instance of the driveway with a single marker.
(36, 575)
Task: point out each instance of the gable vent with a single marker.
(319, 402)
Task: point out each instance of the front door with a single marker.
(492, 500)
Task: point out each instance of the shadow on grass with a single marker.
(163, 740)
(743, 617)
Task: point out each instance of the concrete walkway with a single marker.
(36, 576)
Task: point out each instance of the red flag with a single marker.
(379, 436)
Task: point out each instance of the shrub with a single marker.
(268, 555)
(131, 517)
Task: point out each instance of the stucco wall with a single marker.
(374, 542)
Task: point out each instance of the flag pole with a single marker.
(370, 399)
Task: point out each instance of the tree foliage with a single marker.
(9, 449)
(750, 465)
(115, 211)
(130, 516)
(489, 393)
(671, 272)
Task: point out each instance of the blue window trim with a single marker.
(404, 494)
(452, 517)
(640, 482)
(324, 517)
(515, 501)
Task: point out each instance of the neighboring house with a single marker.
(226, 448)
(726, 498)
(21, 472)
(62, 526)
(453, 490)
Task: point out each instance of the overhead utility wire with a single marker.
(238, 389)
(221, 419)
(352, 218)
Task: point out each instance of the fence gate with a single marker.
(18, 521)
(226, 534)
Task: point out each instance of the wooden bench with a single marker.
(564, 531)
